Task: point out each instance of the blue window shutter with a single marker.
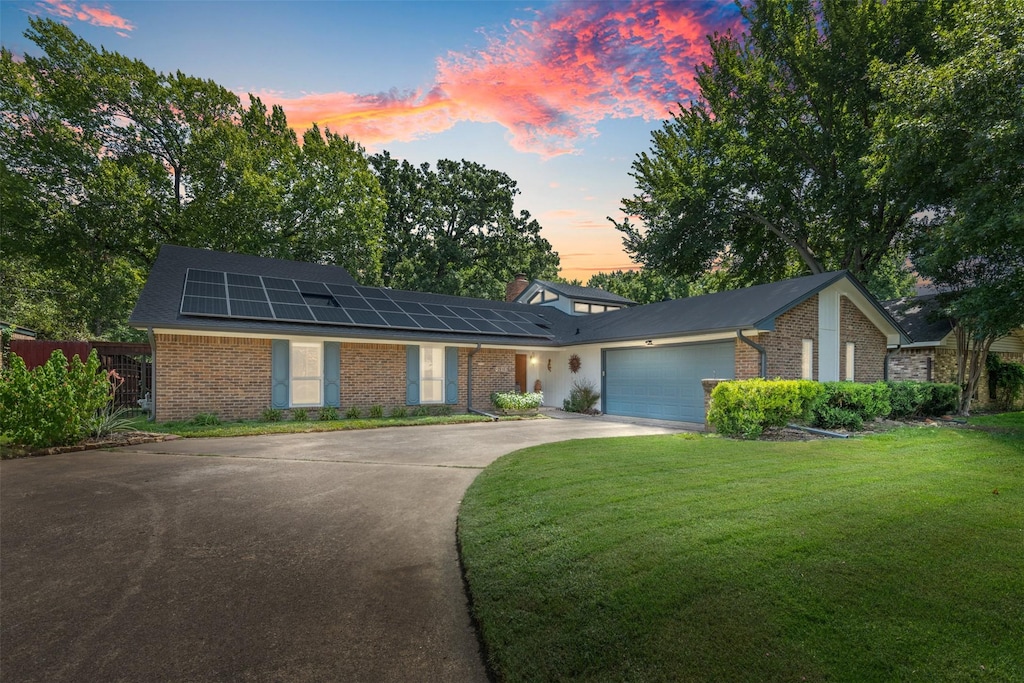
(332, 374)
(279, 373)
(412, 375)
(451, 374)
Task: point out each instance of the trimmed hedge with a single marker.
(746, 408)
(511, 400)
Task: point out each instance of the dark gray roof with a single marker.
(749, 308)
(921, 317)
(160, 301)
(590, 294)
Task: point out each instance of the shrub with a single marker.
(867, 401)
(582, 397)
(942, 399)
(1007, 380)
(442, 410)
(376, 412)
(905, 398)
(54, 404)
(512, 401)
(746, 408)
(271, 415)
(834, 417)
(352, 413)
(206, 420)
(327, 414)
(398, 411)
(300, 414)
(420, 411)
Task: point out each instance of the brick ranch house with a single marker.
(931, 355)
(234, 335)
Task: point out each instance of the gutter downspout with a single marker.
(885, 365)
(469, 386)
(152, 375)
(760, 350)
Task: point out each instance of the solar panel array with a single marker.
(232, 295)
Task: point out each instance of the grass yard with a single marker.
(691, 558)
(253, 427)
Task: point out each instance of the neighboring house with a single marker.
(18, 332)
(931, 355)
(234, 335)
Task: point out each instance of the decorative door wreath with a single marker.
(574, 363)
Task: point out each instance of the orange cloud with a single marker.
(548, 81)
(97, 16)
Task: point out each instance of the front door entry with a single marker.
(521, 373)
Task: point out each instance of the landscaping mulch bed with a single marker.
(92, 443)
(875, 427)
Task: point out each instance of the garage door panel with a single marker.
(664, 383)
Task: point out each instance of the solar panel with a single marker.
(238, 295)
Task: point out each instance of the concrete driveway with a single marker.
(302, 557)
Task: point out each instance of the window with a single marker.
(306, 374)
(850, 347)
(580, 307)
(807, 360)
(542, 297)
(431, 374)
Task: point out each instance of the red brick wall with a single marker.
(372, 374)
(869, 354)
(493, 370)
(227, 376)
(784, 346)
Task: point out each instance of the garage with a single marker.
(664, 382)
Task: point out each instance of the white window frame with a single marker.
(851, 352)
(807, 360)
(436, 379)
(305, 379)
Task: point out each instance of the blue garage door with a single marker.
(664, 383)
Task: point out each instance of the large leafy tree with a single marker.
(642, 286)
(453, 229)
(764, 169)
(951, 131)
(102, 159)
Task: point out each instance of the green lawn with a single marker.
(251, 428)
(689, 558)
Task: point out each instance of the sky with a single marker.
(561, 96)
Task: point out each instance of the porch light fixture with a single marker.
(649, 342)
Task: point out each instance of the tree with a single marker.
(102, 159)
(764, 168)
(951, 130)
(642, 286)
(454, 230)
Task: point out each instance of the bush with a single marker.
(906, 398)
(206, 420)
(746, 408)
(352, 413)
(582, 398)
(834, 417)
(420, 411)
(271, 415)
(300, 414)
(398, 411)
(327, 414)
(55, 404)
(110, 420)
(376, 412)
(1007, 379)
(942, 399)
(866, 401)
(443, 410)
(512, 401)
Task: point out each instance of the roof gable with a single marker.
(921, 317)
(574, 292)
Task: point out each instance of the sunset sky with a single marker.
(559, 95)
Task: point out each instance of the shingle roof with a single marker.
(592, 294)
(160, 301)
(920, 316)
(753, 307)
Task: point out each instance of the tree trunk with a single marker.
(971, 354)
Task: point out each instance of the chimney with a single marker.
(516, 287)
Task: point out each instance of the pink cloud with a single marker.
(97, 16)
(548, 81)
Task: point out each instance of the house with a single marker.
(931, 354)
(234, 334)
